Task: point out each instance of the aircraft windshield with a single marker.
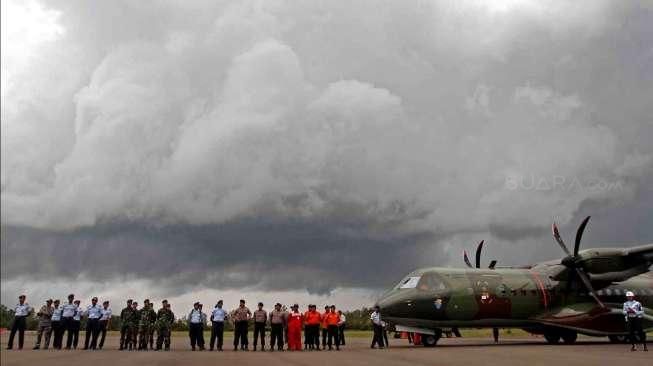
(431, 282)
(409, 282)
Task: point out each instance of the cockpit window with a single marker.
(431, 282)
(409, 282)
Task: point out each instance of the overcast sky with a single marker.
(313, 151)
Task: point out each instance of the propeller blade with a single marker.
(571, 275)
(558, 238)
(492, 264)
(466, 258)
(479, 248)
(579, 235)
(588, 285)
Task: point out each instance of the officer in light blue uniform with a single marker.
(196, 326)
(21, 311)
(93, 314)
(77, 323)
(57, 327)
(634, 313)
(67, 323)
(105, 321)
(218, 317)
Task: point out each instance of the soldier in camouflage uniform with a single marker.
(152, 326)
(164, 319)
(147, 317)
(124, 326)
(132, 327)
(45, 324)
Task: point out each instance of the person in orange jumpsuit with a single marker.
(312, 319)
(307, 329)
(295, 322)
(323, 326)
(332, 319)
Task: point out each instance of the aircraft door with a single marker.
(491, 296)
(462, 305)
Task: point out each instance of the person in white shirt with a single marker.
(93, 314)
(341, 327)
(195, 326)
(21, 311)
(67, 323)
(105, 322)
(57, 327)
(218, 317)
(634, 314)
(77, 323)
(378, 328)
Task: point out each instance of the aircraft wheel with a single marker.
(618, 338)
(569, 337)
(552, 338)
(430, 340)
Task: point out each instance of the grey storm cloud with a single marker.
(268, 254)
(319, 145)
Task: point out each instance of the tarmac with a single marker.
(449, 351)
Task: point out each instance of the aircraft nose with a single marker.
(386, 303)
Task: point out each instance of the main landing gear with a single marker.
(554, 336)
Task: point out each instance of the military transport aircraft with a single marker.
(581, 293)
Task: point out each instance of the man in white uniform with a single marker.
(634, 313)
(21, 311)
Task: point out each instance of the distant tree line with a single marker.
(356, 319)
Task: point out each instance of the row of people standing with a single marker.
(284, 325)
(139, 325)
(56, 319)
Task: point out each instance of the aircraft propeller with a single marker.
(573, 261)
(466, 259)
(493, 263)
(479, 249)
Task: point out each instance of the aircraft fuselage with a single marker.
(510, 297)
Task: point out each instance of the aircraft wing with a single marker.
(644, 251)
(616, 265)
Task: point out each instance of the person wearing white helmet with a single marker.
(634, 313)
